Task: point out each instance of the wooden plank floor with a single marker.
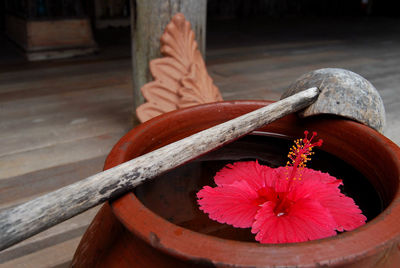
(59, 119)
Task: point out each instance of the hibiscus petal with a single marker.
(313, 189)
(306, 220)
(306, 174)
(347, 214)
(254, 174)
(233, 204)
(324, 177)
(324, 188)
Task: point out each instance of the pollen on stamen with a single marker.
(299, 154)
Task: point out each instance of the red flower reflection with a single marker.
(282, 205)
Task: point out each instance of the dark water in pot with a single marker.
(173, 195)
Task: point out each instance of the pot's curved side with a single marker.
(107, 243)
(374, 245)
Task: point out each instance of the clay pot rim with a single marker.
(184, 243)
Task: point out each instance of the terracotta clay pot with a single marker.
(125, 233)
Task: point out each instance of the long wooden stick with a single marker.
(32, 217)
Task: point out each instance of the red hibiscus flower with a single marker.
(282, 205)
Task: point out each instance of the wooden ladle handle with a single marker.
(32, 217)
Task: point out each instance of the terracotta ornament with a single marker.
(180, 77)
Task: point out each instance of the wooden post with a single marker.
(148, 21)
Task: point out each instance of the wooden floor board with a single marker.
(277, 80)
(38, 74)
(24, 250)
(24, 90)
(59, 154)
(45, 136)
(266, 64)
(43, 244)
(15, 190)
(65, 101)
(60, 254)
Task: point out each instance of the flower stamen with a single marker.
(300, 154)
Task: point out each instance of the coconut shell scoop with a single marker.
(325, 91)
(343, 93)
